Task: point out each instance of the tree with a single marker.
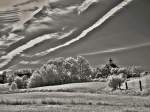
(116, 81)
(72, 69)
(35, 80)
(13, 86)
(85, 70)
(60, 71)
(105, 71)
(136, 71)
(19, 82)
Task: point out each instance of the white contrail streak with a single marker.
(85, 5)
(7, 58)
(94, 26)
(117, 49)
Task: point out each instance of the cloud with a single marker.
(85, 5)
(8, 57)
(117, 49)
(88, 30)
(29, 62)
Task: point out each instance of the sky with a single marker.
(5, 4)
(127, 31)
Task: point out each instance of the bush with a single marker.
(115, 81)
(123, 70)
(114, 70)
(13, 86)
(3, 77)
(22, 72)
(10, 79)
(19, 82)
(105, 71)
(35, 80)
(135, 71)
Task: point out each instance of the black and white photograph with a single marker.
(74, 55)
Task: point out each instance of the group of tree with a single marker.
(116, 76)
(18, 78)
(62, 71)
(70, 70)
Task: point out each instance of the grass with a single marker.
(134, 85)
(90, 87)
(76, 97)
(4, 88)
(72, 102)
(29, 102)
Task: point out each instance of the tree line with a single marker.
(69, 70)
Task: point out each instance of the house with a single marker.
(111, 64)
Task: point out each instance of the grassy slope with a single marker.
(4, 87)
(75, 87)
(90, 87)
(134, 84)
(77, 97)
(74, 102)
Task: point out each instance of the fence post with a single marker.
(126, 85)
(140, 83)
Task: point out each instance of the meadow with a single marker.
(75, 97)
(72, 102)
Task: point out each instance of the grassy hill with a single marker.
(134, 84)
(71, 98)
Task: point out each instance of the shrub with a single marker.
(13, 86)
(25, 77)
(22, 72)
(105, 71)
(115, 82)
(19, 82)
(35, 80)
(135, 71)
(3, 77)
(123, 70)
(10, 79)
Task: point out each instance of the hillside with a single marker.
(70, 98)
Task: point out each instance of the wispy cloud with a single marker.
(88, 30)
(117, 49)
(8, 57)
(85, 5)
(29, 62)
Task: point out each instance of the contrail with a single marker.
(116, 49)
(7, 58)
(88, 30)
(85, 5)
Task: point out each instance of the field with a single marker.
(73, 102)
(76, 97)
